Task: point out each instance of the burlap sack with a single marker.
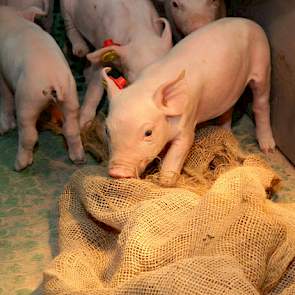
(132, 236)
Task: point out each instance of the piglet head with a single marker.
(142, 50)
(190, 15)
(141, 121)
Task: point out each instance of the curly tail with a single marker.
(53, 93)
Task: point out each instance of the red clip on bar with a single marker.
(120, 82)
(109, 42)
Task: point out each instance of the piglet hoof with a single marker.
(6, 124)
(3, 130)
(85, 123)
(78, 160)
(267, 144)
(80, 49)
(21, 163)
(168, 179)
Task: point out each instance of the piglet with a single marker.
(34, 72)
(198, 80)
(44, 5)
(134, 24)
(187, 16)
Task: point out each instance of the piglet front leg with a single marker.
(174, 159)
(79, 46)
(92, 99)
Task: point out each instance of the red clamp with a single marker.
(109, 42)
(120, 82)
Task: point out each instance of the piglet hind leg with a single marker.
(174, 160)
(225, 120)
(7, 119)
(71, 130)
(28, 110)
(261, 88)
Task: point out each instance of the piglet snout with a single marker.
(121, 172)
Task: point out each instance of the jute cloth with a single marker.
(133, 236)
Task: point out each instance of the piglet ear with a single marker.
(112, 88)
(167, 33)
(32, 12)
(96, 56)
(171, 97)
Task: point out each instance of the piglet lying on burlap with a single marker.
(33, 70)
(198, 80)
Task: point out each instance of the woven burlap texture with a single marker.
(132, 236)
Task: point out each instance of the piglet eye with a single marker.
(148, 133)
(175, 4)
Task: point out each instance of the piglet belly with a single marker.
(211, 108)
(221, 94)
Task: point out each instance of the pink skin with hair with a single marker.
(187, 16)
(133, 24)
(33, 71)
(44, 5)
(199, 79)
